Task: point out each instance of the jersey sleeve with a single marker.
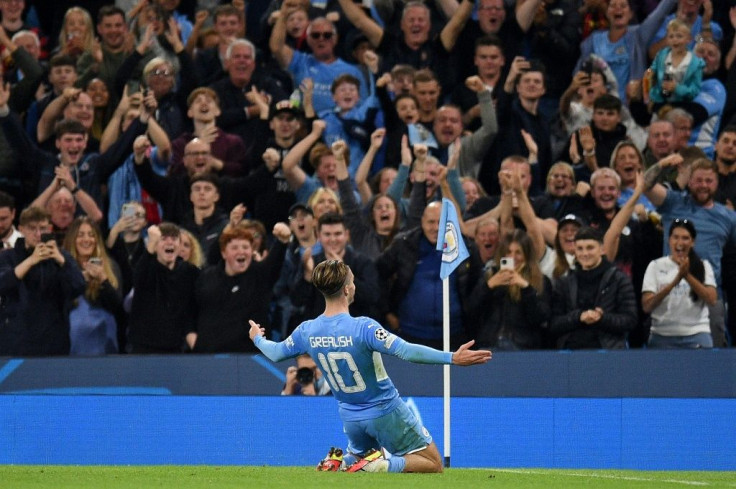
(289, 348)
(383, 341)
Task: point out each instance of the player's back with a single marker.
(347, 351)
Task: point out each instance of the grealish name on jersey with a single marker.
(330, 341)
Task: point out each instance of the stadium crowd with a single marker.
(170, 169)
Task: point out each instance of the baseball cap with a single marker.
(283, 106)
(571, 218)
(300, 207)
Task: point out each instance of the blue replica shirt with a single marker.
(348, 352)
(616, 55)
(306, 66)
(712, 97)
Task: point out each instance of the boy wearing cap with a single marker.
(278, 136)
(560, 259)
(205, 220)
(303, 227)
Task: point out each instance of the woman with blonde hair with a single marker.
(77, 33)
(190, 249)
(96, 323)
(323, 201)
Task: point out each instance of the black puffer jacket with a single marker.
(615, 297)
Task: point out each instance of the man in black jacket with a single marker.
(38, 281)
(594, 306)
(164, 307)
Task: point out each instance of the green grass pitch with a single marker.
(195, 477)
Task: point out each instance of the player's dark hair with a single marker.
(329, 277)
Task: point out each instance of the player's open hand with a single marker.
(255, 330)
(464, 356)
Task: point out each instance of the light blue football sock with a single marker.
(349, 459)
(396, 464)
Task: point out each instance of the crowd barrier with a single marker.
(653, 410)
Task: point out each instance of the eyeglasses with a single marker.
(197, 154)
(681, 221)
(321, 35)
(161, 73)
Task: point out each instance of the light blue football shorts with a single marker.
(399, 432)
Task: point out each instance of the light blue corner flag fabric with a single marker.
(449, 240)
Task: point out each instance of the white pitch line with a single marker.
(603, 476)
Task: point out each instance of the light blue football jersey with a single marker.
(348, 352)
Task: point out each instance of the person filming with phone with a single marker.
(97, 322)
(512, 302)
(38, 282)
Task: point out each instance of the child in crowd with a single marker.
(676, 71)
(352, 119)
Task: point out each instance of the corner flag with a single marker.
(449, 240)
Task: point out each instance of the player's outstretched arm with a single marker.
(274, 351)
(464, 356)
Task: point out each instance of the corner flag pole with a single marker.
(450, 243)
(446, 368)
